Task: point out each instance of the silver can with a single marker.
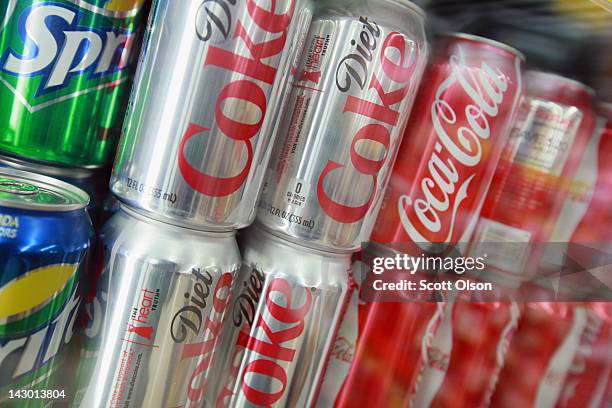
(288, 304)
(344, 122)
(164, 297)
(202, 117)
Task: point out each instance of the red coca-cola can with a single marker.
(532, 181)
(344, 122)
(288, 304)
(583, 229)
(453, 142)
(467, 354)
(596, 225)
(591, 370)
(386, 347)
(540, 355)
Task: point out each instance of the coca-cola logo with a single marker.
(343, 350)
(254, 75)
(461, 132)
(245, 304)
(354, 67)
(379, 115)
(438, 359)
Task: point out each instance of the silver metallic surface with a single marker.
(346, 116)
(165, 292)
(207, 98)
(287, 308)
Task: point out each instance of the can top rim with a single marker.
(485, 40)
(285, 240)
(166, 224)
(49, 170)
(561, 78)
(31, 191)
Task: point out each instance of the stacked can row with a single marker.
(209, 99)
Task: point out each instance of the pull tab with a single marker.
(17, 188)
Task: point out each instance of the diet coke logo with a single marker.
(268, 348)
(255, 74)
(197, 327)
(460, 143)
(382, 116)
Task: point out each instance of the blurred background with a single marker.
(569, 37)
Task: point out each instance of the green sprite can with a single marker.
(65, 68)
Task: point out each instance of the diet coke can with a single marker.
(346, 115)
(531, 183)
(287, 308)
(540, 355)
(164, 293)
(207, 97)
(453, 142)
(467, 354)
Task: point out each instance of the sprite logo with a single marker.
(38, 311)
(64, 50)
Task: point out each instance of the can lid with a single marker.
(484, 40)
(31, 191)
(48, 170)
(533, 74)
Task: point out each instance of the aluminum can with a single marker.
(93, 182)
(386, 343)
(467, 354)
(591, 369)
(344, 122)
(454, 139)
(287, 308)
(584, 217)
(540, 355)
(548, 141)
(62, 104)
(45, 234)
(208, 118)
(162, 309)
